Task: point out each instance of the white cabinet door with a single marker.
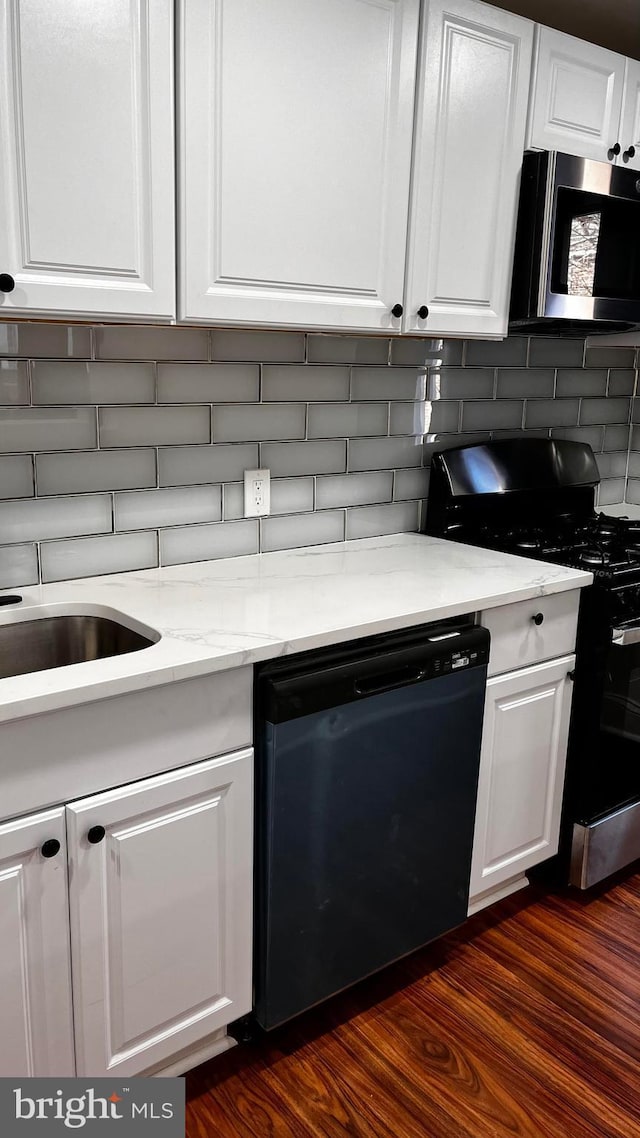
(472, 105)
(161, 914)
(576, 96)
(86, 153)
(36, 1031)
(296, 120)
(522, 763)
(630, 128)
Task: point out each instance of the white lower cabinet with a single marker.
(36, 1032)
(158, 958)
(522, 764)
(161, 910)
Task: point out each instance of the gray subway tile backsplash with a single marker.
(388, 383)
(461, 383)
(579, 381)
(81, 472)
(74, 382)
(139, 437)
(45, 341)
(275, 347)
(322, 349)
(18, 566)
(426, 353)
(14, 383)
(204, 543)
(526, 383)
(353, 489)
(316, 456)
(153, 426)
(497, 353)
(311, 529)
(47, 428)
(16, 476)
(331, 420)
(604, 411)
(303, 382)
(233, 423)
(153, 509)
(34, 519)
(126, 342)
(191, 466)
(554, 352)
(370, 521)
(93, 556)
(208, 383)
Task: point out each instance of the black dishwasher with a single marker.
(366, 779)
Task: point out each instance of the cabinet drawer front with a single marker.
(161, 897)
(519, 639)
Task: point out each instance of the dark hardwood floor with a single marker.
(523, 1023)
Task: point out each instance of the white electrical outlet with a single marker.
(257, 493)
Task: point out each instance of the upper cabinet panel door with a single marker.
(472, 104)
(576, 96)
(295, 148)
(36, 1030)
(86, 152)
(630, 129)
(161, 911)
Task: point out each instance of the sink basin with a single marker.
(54, 641)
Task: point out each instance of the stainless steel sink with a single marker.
(54, 641)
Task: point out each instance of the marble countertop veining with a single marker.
(215, 615)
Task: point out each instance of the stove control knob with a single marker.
(538, 618)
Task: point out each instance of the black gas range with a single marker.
(536, 498)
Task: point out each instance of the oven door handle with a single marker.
(625, 636)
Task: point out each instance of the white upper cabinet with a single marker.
(161, 913)
(295, 144)
(576, 96)
(630, 122)
(473, 88)
(87, 157)
(36, 1030)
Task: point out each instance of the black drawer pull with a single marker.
(96, 834)
(538, 618)
(50, 848)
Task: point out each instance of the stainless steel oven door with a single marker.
(620, 714)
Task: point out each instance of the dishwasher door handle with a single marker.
(387, 681)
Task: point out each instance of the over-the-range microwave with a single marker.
(577, 253)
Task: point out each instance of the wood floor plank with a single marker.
(523, 1023)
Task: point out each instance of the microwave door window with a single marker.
(596, 249)
(584, 235)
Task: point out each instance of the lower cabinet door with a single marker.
(161, 912)
(524, 749)
(36, 1033)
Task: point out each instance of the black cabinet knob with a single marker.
(538, 618)
(50, 848)
(397, 310)
(614, 151)
(7, 283)
(630, 152)
(96, 834)
(423, 312)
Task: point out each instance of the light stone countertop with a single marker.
(215, 615)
